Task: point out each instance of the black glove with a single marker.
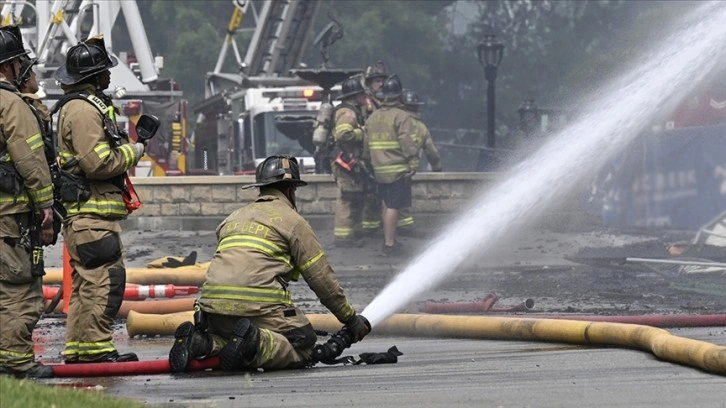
(358, 327)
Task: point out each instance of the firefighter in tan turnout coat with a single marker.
(246, 314)
(92, 149)
(26, 186)
(422, 136)
(356, 188)
(394, 156)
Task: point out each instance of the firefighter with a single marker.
(394, 157)
(246, 313)
(25, 187)
(351, 174)
(373, 78)
(28, 85)
(422, 138)
(97, 156)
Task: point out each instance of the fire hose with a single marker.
(127, 368)
(695, 353)
(326, 353)
(485, 305)
(139, 292)
(164, 306)
(185, 275)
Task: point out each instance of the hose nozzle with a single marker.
(329, 351)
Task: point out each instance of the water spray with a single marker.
(607, 126)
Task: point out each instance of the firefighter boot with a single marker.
(37, 371)
(110, 357)
(242, 347)
(189, 343)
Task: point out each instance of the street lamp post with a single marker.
(490, 54)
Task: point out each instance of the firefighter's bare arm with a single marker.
(346, 127)
(309, 258)
(26, 149)
(97, 156)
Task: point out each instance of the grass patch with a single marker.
(26, 393)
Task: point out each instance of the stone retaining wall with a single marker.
(218, 196)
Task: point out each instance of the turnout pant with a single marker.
(21, 299)
(348, 205)
(405, 219)
(286, 337)
(99, 281)
(357, 207)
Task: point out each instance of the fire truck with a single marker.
(257, 123)
(265, 108)
(50, 27)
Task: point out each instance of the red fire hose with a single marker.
(485, 305)
(482, 306)
(674, 320)
(140, 292)
(128, 368)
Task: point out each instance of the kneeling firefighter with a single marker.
(94, 156)
(245, 312)
(356, 199)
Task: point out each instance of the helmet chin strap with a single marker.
(16, 73)
(97, 84)
(289, 192)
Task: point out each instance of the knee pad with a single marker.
(117, 275)
(100, 252)
(302, 338)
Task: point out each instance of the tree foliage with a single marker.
(554, 49)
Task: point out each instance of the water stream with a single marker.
(656, 83)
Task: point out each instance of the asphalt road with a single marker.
(439, 373)
(448, 372)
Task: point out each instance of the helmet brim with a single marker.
(375, 76)
(389, 95)
(66, 78)
(13, 56)
(28, 66)
(296, 183)
(349, 94)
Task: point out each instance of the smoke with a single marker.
(618, 114)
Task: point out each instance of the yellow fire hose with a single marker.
(192, 275)
(695, 353)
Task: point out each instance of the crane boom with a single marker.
(282, 30)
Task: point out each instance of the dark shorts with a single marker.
(396, 195)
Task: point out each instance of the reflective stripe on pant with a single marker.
(21, 298)
(371, 212)
(285, 341)
(99, 281)
(20, 308)
(405, 219)
(348, 206)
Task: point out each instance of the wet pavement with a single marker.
(439, 372)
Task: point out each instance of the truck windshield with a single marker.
(283, 132)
